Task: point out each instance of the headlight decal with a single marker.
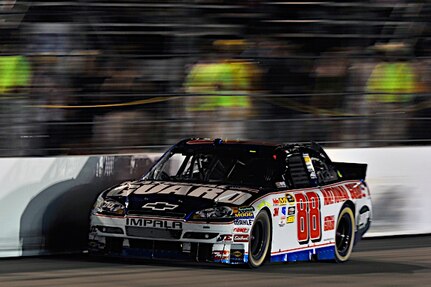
(111, 206)
(218, 212)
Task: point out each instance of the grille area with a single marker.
(167, 249)
(168, 214)
(153, 232)
(200, 235)
(108, 229)
(114, 245)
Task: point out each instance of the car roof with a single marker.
(245, 144)
(230, 142)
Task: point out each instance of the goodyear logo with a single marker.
(237, 253)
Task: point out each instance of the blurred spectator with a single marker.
(15, 73)
(228, 80)
(284, 76)
(419, 129)
(331, 78)
(117, 122)
(355, 125)
(15, 78)
(49, 88)
(125, 64)
(391, 88)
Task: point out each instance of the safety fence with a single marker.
(114, 123)
(86, 77)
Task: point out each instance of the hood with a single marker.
(178, 198)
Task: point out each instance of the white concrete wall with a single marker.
(400, 184)
(45, 202)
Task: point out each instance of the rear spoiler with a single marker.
(348, 170)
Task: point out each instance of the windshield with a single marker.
(239, 167)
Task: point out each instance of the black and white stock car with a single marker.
(236, 202)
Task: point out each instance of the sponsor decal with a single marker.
(123, 189)
(290, 198)
(282, 220)
(263, 204)
(240, 237)
(334, 194)
(290, 219)
(275, 202)
(282, 200)
(159, 206)
(217, 255)
(187, 247)
(275, 212)
(241, 230)
(309, 165)
(329, 223)
(113, 206)
(245, 214)
(246, 208)
(210, 192)
(280, 184)
(142, 222)
(243, 221)
(291, 210)
(237, 255)
(357, 191)
(225, 238)
(220, 254)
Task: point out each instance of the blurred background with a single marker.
(88, 77)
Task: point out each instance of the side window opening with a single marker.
(325, 172)
(297, 172)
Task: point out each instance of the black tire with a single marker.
(260, 240)
(344, 235)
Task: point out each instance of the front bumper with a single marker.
(162, 238)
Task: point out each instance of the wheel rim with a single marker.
(344, 234)
(258, 240)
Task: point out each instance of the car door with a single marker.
(297, 218)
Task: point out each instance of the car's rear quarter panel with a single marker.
(304, 220)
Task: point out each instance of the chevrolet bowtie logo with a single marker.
(159, 206)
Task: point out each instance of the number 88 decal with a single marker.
(308, 217)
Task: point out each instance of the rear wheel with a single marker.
(344, 235)
(260, 240)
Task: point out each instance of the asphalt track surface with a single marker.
(375, 262)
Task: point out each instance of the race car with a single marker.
(236, 202)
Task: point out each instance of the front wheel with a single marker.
(260, 240)
(345, 235)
